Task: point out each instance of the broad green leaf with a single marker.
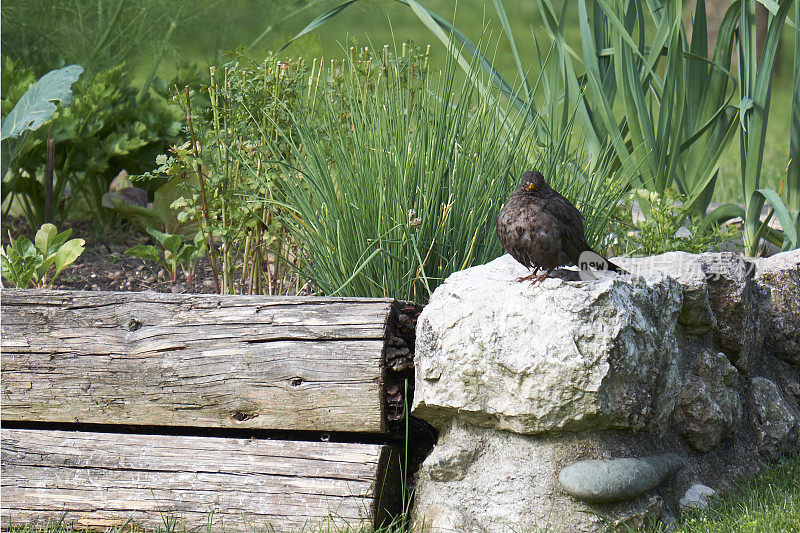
(784, 216)
(722, 214)
(36, 106)
(67, 254)
(48, 240)
(186, 254)
(145, 251)
(43, 237)
(172, 244)
(24, 247)
(158, 235)
(42, 268)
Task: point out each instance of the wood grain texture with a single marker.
(194, 360)
(103, 479)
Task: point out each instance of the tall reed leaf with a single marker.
(793, 174)
(755, 89)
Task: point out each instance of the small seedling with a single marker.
(23, 261)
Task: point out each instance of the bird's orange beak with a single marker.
(530, 187)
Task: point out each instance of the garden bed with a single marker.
(103, 266)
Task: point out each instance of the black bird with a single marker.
(541, 229)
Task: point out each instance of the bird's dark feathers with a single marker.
(540, 228)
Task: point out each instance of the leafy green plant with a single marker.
(755, 88)
(105, 129)
(228, 167)
(655, 141)
(24, 261)
(33, 108)
(161, 215)
(172, 253)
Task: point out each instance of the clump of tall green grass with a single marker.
(392, 189)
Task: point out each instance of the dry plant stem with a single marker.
(48, 179)
(212, 256)
(259, 278)
(248, 235)
(252, 264)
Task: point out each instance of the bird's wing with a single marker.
(514, 237)
(573, 239)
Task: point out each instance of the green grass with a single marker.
(769, 502)
(385, 21)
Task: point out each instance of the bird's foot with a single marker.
(529, 276)
(540, 278)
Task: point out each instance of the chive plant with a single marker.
(395, 183)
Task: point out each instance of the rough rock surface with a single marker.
(708, 406)
(740, 306)
(512, 483)
(781, 274)
(443, 519)
(598, 480)
(777, 428)
(639, 519)
(450, 461)
(696, 315)
(561, 355)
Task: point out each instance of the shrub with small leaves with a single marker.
(666, 229)
(23, 261)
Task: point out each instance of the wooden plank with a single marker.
(194, 360)
(102, 479)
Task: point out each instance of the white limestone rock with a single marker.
(443, 519)
(558, 356)
(512, 483)
(511, 486)
(696, 498)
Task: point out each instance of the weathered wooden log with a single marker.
(99, 480)
(203, 360)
